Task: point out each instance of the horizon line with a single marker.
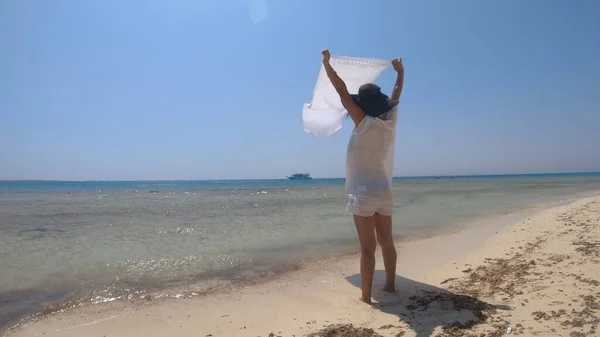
(319, 178)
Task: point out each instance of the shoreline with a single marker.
(115, 309)
(202, 287)
(417, 265)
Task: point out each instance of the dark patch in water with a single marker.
(17, 304)
(38, 232)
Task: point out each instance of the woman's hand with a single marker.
(326, 55)
(398, 66)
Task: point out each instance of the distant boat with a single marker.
(299, 176)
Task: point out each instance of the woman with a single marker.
(369, 167)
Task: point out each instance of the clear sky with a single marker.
(196, 89)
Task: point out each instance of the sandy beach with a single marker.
(534, 274)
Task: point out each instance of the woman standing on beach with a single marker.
(369, 166)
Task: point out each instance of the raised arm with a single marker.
(355, 112)
(399, 67)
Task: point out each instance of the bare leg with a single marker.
(383, 225)
(365, 226)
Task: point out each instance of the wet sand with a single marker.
(538, 276)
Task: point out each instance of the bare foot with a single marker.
(366, 300)
(389, 289)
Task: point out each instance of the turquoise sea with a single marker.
(80, 243)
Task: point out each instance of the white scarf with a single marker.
(325, 113)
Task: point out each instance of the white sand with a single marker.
(307, 300)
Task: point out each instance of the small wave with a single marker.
(39, 232)
(184, 230)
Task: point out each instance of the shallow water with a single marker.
(92, 242)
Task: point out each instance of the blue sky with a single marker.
(182, 89)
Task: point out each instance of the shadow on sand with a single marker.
(424, 307)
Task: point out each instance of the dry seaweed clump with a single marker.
(344, 330)
(483, 312)
(480, 309)
(583, 319)
(501, 276)
(498, 276)
(588, 248)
